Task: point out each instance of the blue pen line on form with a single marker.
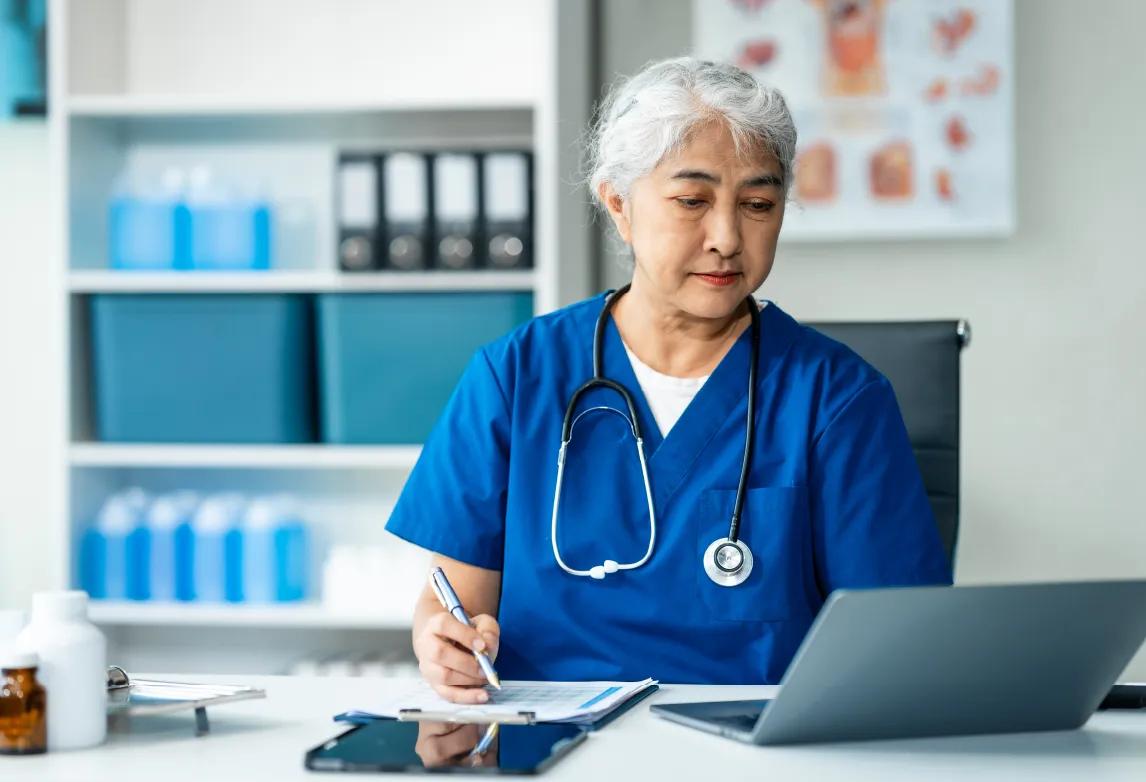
(599, 696)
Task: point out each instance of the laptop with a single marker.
(941, 661)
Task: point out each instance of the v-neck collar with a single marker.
(722, 397)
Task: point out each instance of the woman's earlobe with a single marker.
(621, 220)
(615, 206)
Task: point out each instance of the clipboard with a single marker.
(521, 718)
(127, 697)
(462, 717)
(624, 707)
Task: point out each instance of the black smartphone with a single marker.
(446, 747)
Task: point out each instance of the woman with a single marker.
(692, 161)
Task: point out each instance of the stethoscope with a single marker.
(728, 561)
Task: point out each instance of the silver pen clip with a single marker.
(438, 591)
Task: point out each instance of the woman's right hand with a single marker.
(443, 648)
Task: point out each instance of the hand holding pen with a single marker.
(455, 674)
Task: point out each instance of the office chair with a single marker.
(921, 360)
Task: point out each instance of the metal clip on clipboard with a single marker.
(127, 697)
(468, 716)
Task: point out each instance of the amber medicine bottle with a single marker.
(23, 704)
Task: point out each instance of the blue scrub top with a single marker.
(835, 499)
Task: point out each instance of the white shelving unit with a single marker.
(291, 616)
(197, 106)
(297, 281)
(274, 91)
(255, 457)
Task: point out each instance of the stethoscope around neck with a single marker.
(728, 560)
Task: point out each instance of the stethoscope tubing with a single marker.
(600, 381)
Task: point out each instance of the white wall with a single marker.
(283, 49)
(31, 369)
(1054, 383)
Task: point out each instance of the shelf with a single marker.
(108, 281)
(191, 106)
(332, 457)
(298, 615)
(130, 102)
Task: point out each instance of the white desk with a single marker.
(265, 740)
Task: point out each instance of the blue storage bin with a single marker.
(148, 234)
(203, 368)
(230, 235)
(388, 362)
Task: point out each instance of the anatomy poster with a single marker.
(903, 107)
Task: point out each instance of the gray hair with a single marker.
(647, 117)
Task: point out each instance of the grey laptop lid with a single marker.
(927, 661)
(935, 661)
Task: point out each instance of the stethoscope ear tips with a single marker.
(599, 572)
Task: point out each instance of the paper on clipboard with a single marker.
(532, 701)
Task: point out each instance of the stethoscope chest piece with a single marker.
(728, 562)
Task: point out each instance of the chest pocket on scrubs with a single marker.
(774, 523)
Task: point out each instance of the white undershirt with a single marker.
(667, 396)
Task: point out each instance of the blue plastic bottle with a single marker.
(292, 554)
(185, 559)
(259, 525)
(165, 518)
(275, 551)
(104, 550)
(214, 561)
(148, 224)
(229, 230)
(138, 545)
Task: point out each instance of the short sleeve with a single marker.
(872, 522)
(453, 503)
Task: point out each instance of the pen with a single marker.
(449, 600)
